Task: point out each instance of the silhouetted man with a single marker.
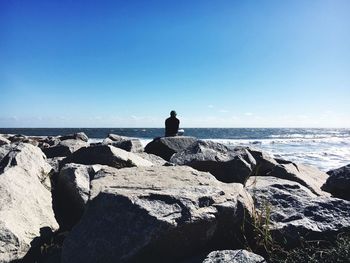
(172, 125)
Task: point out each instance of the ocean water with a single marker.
(324, 148)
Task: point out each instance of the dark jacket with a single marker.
(171, 126)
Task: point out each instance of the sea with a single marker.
(324, 148)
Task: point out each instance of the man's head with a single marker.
(173, 113)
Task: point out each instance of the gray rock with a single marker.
(76, 136)
(306, 175)
(264, 162)
(156, 160)
(155, 214)
(4, 150)
(117, 138)
(233, 256)
(106, 155)
(25, 200)
(227, 165)
(338, 182)
(55, 163)
(107, 141)
(132, 145)
(126, 143)
(4, 141)
(64, 148)
(17, 138)
(72, 191)
(296, 212)
(165, 147)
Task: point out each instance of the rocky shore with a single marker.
(179, 199)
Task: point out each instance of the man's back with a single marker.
(171, 126)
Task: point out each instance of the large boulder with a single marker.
(72, 191)
(227, 165)
(233, 256)
(17, 138)
(4, 150)
(106, 155)
(25, 200)
(296, 212)
(64, 148)
(165, 147)
(131, 145)
(156, 214)
(76, 136)
(338, 182)
(306, 175)
(155, 159)
(4, 141)
(264, 162)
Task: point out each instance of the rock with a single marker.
(107, 141)
(4, 141)
(106, 155)
(156, 160)
(132, 145)
(296, 212)
(126, 143)
(25, 200)
(114, 138)
(227, 165)
(233, 256)
(264, 162)
(64, 148)
(29, 158)
(72, 191)
(17, 138)
(76, 136)
(4, 150)
(306, 175)
(117, 138)
(156, 214)
(55, 163)
(338, 182)
(165, 147)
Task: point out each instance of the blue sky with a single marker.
(217, 63)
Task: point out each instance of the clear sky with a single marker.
(217, 63)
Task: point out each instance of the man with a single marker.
(172, 125)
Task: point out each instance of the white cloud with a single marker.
(223, 111)
(248, 114)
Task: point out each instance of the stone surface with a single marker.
(306, 175)
(4, 141)
(64, 148)
(155, 214)
(156, 160)
(227, 165)
(25, 200)
(76, 136)
(264, 162)
(55, 163)
(72, 191)
(126, 143)
(117, 138)
(4, 150)
(338, 182)
(165, 147)
(132, 145)
(233, 256)
(296, 212)
(106, 155)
